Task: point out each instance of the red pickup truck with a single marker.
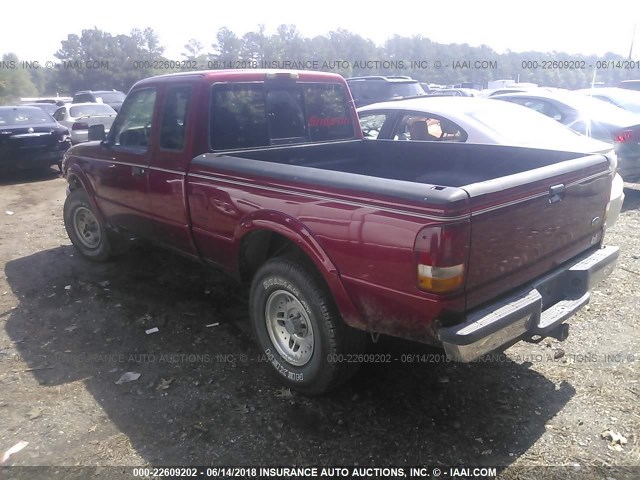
(266, 175)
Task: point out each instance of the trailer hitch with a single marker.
(560, 333)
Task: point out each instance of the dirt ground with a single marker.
(70, 329)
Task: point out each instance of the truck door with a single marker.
(171, 156)
(120, 176)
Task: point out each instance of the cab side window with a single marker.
(132, 127)
(174, 117)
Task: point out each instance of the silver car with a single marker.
(477, 120)
(78, 117)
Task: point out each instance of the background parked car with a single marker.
(591, 117)
(630, 84)
(113, 98)
(30, 138)
(50, 108)
(476, 120)
(78, 117)
(455, 92)
(620, 97)
(371, 89)
(499, 91)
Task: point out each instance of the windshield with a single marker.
(111, 97)
(522, 126)
(94, 109)
(50, 108)
(405, 89)
(24, 116)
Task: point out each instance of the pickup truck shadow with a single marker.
(205, 397)
(11, 176)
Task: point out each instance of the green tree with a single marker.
(227, 47)
(121, 60)
(15, 81)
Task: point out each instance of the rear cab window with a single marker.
(249, 115)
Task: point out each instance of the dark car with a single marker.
(373, 89)
(630, 84)
(620, 97)
(30, 138)
(113, 98)
(591, 117)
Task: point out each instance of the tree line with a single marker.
(99, 60)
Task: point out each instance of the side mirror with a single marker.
(96, 132)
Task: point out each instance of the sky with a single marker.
(33, 30)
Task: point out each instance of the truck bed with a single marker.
(529, 210)
(443, 164)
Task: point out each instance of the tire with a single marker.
(298, 328)
(88, 234)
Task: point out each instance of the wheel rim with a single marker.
(289, 328)
(87, 228)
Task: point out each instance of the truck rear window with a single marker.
(263, 114)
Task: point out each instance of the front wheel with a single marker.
(87, 233)
(298, 327)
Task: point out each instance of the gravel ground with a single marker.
(70, 329)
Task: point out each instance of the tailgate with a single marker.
(524, 225)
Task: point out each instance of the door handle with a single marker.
(137, 171)
(556, 193)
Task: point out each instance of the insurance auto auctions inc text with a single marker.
(369, 472)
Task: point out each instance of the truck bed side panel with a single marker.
(369, 236)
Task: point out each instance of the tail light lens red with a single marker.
(441, 255)
(624, 136)
(80, 126)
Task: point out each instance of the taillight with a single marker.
(624, 136)
(441, 254)
(80, 126)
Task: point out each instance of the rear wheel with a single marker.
(87, 233)
(299, 329)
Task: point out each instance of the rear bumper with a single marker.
(35, 159)
(538, 309)
(615, 201)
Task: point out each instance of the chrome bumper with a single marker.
(538, 309)
(616, 200)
